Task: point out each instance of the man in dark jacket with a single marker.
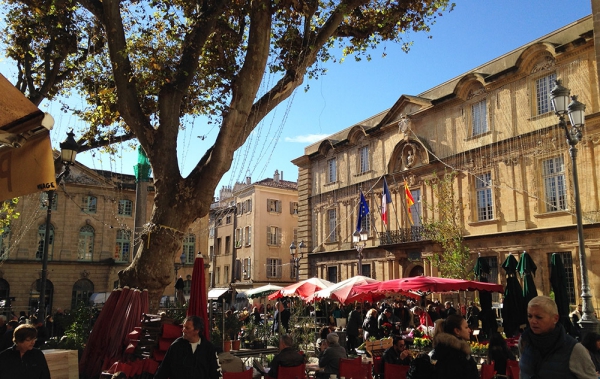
(329, 358)
(352, 326)
(288, 356)
(281, 318)
(23, 361)
(398, 354)
(190, 357)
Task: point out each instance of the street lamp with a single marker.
(359, 239)
(68, 151)
(296, 256)
(559, 97)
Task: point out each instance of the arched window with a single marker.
(189, 246)
(82, 290)
(85, 247)
(39, 254)
(123, 245)
(4, 293)
(34, 295)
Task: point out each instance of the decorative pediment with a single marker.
(408, 154)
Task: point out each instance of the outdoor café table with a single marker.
(245, 353)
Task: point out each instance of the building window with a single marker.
(82, 290)
(247, 269)
(332, 274)
(125, 207)
(239, 237)
(187, 285)
(543, 86)
(331, 171)
(273, 236)
(273, 268)
(218, 248)
(332, 223)
(294, 207)
(567, 259)
(189, 247)
(247, 235)
(4, 293)
(366, 270)
(483, 191)
(89, 204)
(247, 208)
(363, 159)
(41, 237)
(274, 205)
(553, 171)
(123, 245)
(211, 232)
(85, 247)
(479, 123)
(228, 219)
(226, 273)
(218, 276)
(227, 245)
(44, 201)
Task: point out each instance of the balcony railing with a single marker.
(412, 234)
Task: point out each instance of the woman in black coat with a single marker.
(370, 326)
(499, 353)
(452, 349)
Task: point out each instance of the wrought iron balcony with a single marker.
(412, 234)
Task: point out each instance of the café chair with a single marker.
(487, 371)
(349, 367)
(294, 372)
(512, 369)
(239, 375)
(391, 371)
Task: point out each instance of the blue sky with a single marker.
(475, 32)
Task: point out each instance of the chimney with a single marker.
(281, 175)
(248, 180)
(276, 176)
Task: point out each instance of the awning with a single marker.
(24, 145)
(218, 293)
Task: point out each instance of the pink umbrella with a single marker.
(303, 289)
(341, 291)
(198, 295)
(424, 285)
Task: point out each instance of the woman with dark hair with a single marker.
(591, 341)
(23, 360)
(452, 350)
(499, 353)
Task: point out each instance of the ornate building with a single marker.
(91, 239)
(494, 128)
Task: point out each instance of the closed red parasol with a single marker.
(198, 295)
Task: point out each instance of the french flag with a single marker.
(386, 199)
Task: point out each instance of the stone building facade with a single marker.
(91, 240)
(252, 228)
(494, 128)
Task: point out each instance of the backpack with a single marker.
(421, 368)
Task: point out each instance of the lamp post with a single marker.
(296, 256)
(68, 151)
(359, 239)
(559, 97)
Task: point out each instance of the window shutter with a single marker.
(268, 235)
(278, 268)
(278, 242)
(238, 270)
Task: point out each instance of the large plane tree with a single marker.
(143, 66)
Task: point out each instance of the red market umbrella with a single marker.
(303, 289)
(198, 295)
(424, 285)
(91, 359)
(341, 291)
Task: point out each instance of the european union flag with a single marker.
(363, 210)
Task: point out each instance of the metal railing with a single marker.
(405, 235)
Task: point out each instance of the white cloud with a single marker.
(309, 138)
